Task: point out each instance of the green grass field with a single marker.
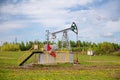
(90, 68)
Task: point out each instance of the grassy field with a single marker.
(90, 68)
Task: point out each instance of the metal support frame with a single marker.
(47, 35)
(65, 41)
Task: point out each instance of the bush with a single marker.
(76, 49)
(10, 47)
(117, 53)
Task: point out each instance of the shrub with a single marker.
(76, 49)
(117, 53)
(10, 47)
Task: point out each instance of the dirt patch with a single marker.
(73, 67)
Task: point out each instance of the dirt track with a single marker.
(73, 67)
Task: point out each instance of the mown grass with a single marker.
(90, 68)
(99, 60)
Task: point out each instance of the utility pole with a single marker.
(47, 35)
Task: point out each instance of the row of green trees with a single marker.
(104, 48)
(19, 46)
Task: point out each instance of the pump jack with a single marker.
(65, 35)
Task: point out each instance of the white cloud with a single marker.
(9, 25)
(49, 13)
(110, 10)
(112, 26)
(107, 35)
(84, 2)
(102, 20)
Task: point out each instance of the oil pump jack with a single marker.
(65, 39)
(65, 42)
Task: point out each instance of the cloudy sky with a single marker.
(27, 20)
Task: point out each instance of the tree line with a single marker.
(104, 48)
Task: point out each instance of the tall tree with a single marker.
(72, 43)
(22, 46)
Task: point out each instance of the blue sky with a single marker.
(27, 20)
